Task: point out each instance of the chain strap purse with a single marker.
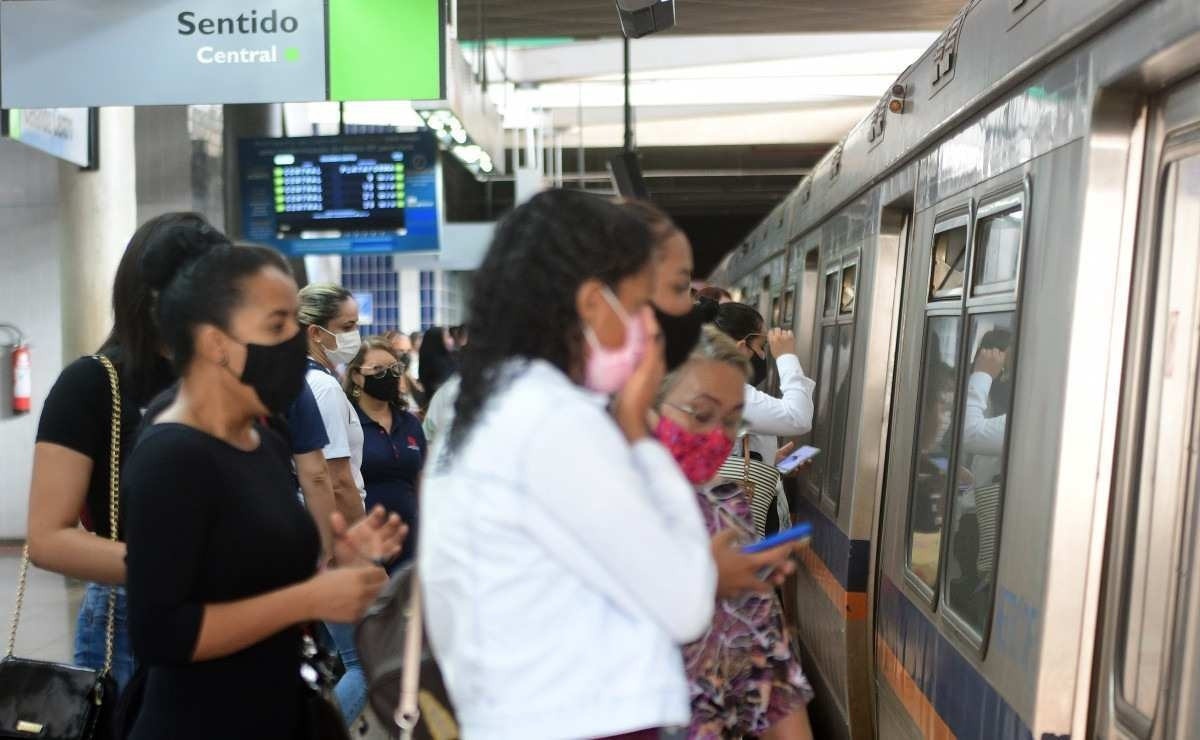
(55, 701)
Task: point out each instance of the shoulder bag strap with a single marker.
(114, 485)
(114, 477)
(408, 711)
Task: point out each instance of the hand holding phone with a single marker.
(796, 532)
(796, 459)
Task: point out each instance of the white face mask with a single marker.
(348, 344)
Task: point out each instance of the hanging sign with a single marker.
(81, 53)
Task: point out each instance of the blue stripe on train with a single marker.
(967, 703)
(849, 560)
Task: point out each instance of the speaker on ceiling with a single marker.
(643, 17)
(626, 173)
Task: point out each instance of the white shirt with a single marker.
(769, 418)
(562, 568)
(342, 424)
(440, 414)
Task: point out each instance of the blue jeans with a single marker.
(351, 689)
(91, 629)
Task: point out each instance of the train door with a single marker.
(1146, 680)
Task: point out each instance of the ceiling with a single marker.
(582, 19)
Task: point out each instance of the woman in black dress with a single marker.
(222, 560)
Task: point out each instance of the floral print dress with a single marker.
(742, 673)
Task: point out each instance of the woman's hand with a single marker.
(374, 539)
(782, 453)
(738, 573)
(342, 595)
(782, 342)
(636, 398)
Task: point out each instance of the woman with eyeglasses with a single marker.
(767, 417)
(393, 443)
(742, 674)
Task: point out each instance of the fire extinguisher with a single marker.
(22, 388)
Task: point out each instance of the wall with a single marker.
(31, 241)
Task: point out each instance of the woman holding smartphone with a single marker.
(743, 677)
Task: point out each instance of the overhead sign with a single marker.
(56, 53)
(66, 133)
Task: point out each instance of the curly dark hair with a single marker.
(523, 295)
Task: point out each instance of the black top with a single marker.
(209, 523)
(78, 415)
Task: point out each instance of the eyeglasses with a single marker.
(393, 370)
(733, 424)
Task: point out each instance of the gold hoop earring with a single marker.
(356, 392)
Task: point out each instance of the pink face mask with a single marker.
(607, 370)
(699, 455)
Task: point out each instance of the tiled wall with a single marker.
(376, 275)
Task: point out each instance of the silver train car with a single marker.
(993, 280)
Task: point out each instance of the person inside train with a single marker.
(767, 417)
(70, 482)
(222, 559)
(584, 555)
(329, 315)
(744, 678)
(393, 443)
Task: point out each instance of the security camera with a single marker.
(644, 17)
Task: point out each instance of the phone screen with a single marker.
(797, 458)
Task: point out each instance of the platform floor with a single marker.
(47, 629)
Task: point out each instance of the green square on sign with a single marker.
(385, 50)
(291, 54)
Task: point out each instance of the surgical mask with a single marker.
(607, 370)
(759, 365)
(680, 334)
(699, 455)
(348, 344)
(276, 371)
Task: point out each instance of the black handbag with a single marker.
(320, 717)
(403, 680)
(54, 701)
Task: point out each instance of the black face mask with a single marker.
(386, 388)
(276, 371)
(680, 334)
(760, 369)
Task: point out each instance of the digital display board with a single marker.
(369, 193)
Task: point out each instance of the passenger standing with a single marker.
(393, 443)
(437, 362)
(563, 557)
(221, 554)
(71, 457)
(410, 389)
(767, 417)
(744, 678)
(329, 315)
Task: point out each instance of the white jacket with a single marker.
(769, 418)
(562, 568)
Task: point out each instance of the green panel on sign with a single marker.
(14, 124)
(385, 50)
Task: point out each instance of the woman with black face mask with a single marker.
(678, 317)
(393, 443)
(768, 418)
(222, 556)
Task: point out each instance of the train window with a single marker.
(974, 520)
(789, 306)
(997, 245)
(949, 263)
(776, 308)
(1164, 488)
(931, 469)
(832, 294)
(832, 487)
(847, 303)
(824, 396)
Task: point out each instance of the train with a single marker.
(993, 280)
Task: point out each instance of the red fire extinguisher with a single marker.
(22, 388)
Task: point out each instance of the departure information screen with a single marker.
(342, 194)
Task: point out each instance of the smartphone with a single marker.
(796, 459)
(801, 531)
